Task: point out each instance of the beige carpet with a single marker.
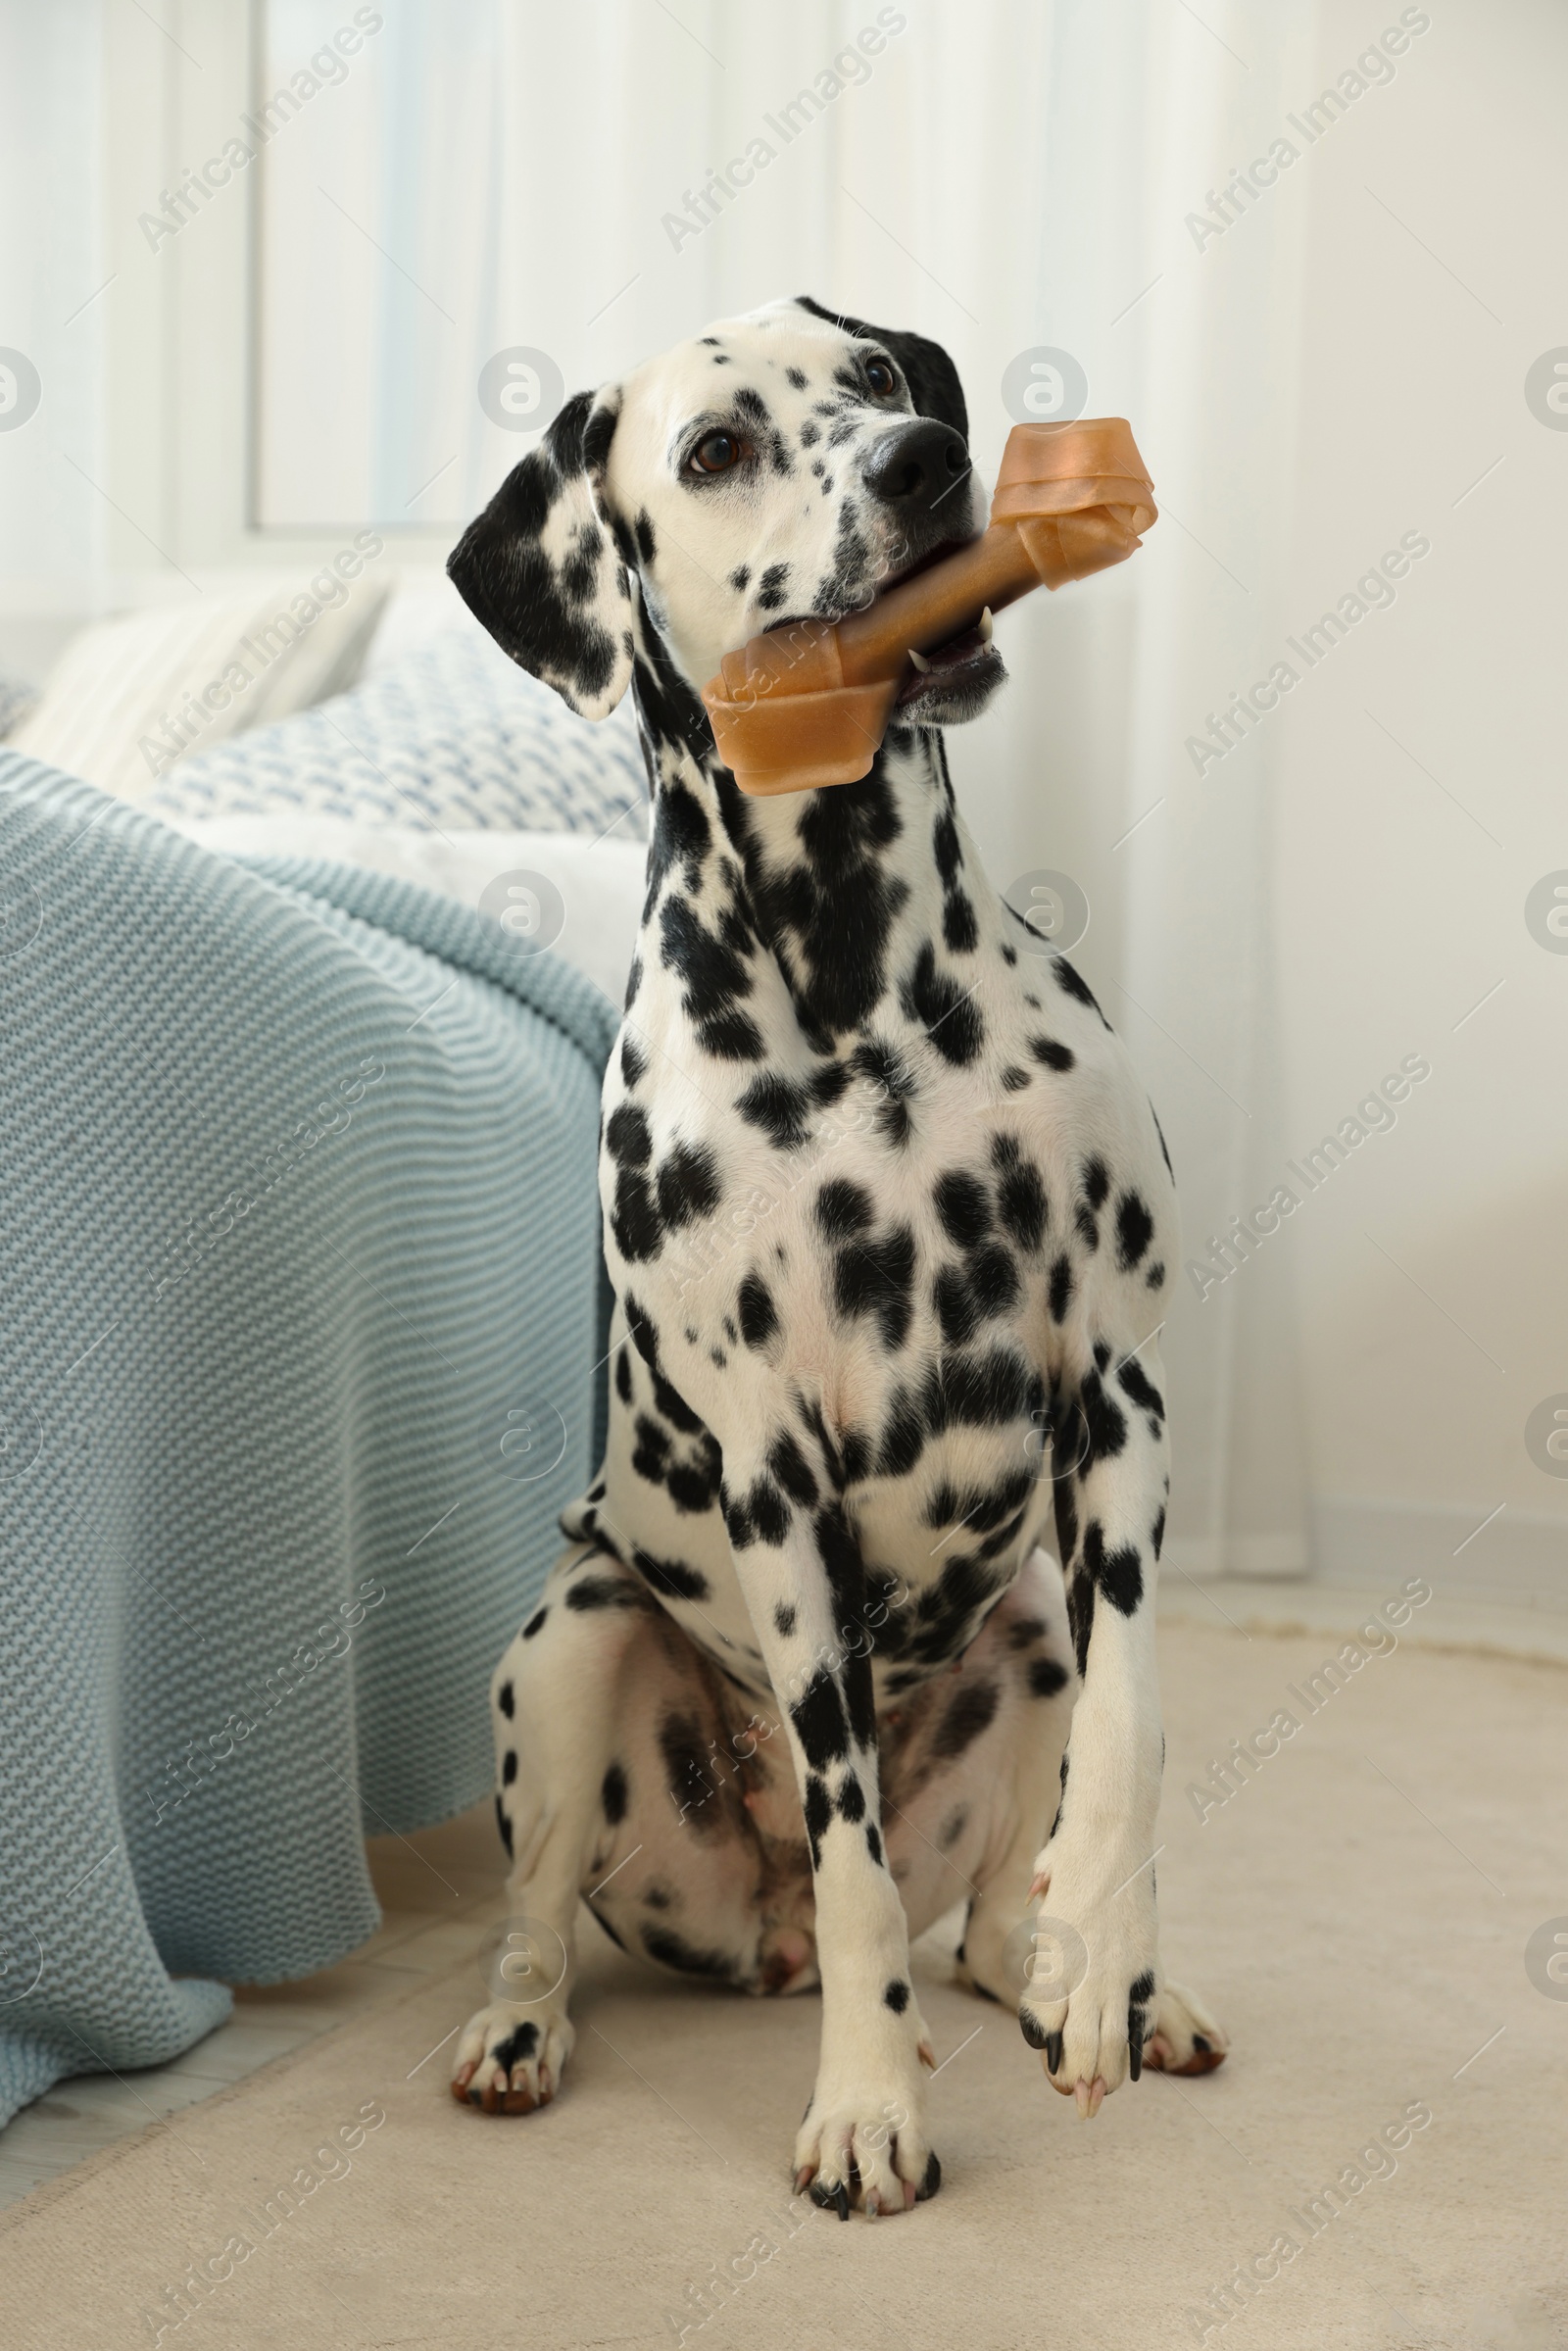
(1358, 1916)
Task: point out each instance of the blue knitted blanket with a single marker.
(303, 1312)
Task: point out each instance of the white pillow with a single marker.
(424, 606)
(599, 885)
(131, 697)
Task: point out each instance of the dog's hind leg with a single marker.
(554, 1704)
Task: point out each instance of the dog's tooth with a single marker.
(919, 660)
(985, 626)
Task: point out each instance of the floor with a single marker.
(1358, 1914)
(437, 1888)
(1361, 1914)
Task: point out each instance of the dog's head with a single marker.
(786, 464)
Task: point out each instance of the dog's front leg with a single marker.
(1092, 1988)
(863, 2139)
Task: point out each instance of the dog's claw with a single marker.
(831, 2199)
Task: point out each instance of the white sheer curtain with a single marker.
(51, 269)
(1002, 177)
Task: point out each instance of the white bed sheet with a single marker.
(601, 883)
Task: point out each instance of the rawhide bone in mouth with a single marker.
(809, 704)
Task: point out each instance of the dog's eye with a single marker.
(881, 379)
(714, 452)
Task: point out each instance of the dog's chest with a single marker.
(873, 1171)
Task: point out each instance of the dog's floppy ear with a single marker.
(930, 374)
(540, 568)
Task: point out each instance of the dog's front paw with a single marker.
(1186, 2039)
(511, 2057)
(862, 2145)
(1088, 2003)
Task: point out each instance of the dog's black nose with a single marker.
(917, 464)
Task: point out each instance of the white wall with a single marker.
(1421, 794)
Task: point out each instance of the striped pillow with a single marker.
(131, 697)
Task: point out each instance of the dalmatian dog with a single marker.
(889, 1219)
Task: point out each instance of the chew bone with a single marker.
(809, 704)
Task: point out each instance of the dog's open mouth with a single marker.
(957, 672)
(955, 678)
(952, 671)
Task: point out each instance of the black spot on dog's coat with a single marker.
(1070, 983)
(820, 1722)
(672, 1950)
(1135, 1230)
(1118, 1574)
(599, 1592)
(843, 1210)
(970, 1712)
(629, 1138)
(758, 1316)
(517, 2047)
(792, 1469)
(778, 1107)
(1053, 1055)
(687, 1185)
(672, 1577)
(945, 1012)
(1062, 1289)
(770, 587)
(851, 1801)
(877, 1278)
(819, 1811)
(960, 933)
(1137, 1384)
(964, 1208)
(1022, 1206)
